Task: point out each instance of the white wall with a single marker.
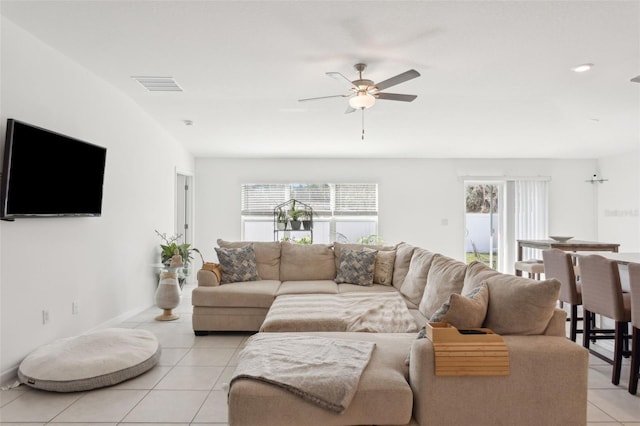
(103, 263)
(619, 201)
(415, 195)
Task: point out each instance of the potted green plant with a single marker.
(306, 220)
(295, 215)
(169, 247)
(281, 220)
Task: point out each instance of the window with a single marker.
(344, 212)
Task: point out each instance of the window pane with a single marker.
(261, 198)
(318, 196)
(354, 231)
(359, 198)
(255, 230)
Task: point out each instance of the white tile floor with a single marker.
(186, 387)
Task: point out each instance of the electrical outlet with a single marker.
(74, 308)
(45, 316)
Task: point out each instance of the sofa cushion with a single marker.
(520, 305)
(300, 262)
(416, 278)
(446, 276)
(250, 294)
(267, 256)
(383, 271)
(464, 311)
(404, 252)
(383, 396)
(356, 266)
(308, 287)
(476, 273)
(237, 264)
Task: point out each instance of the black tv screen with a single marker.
(47, 174)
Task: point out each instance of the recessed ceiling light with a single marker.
(582, 68)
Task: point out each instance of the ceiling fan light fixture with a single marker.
(362, 101)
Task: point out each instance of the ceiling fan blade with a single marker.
(636, 79)
(324, 97)
(395, 97)
(349, 110)
(340, 77)
(400, 78)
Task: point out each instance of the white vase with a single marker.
(168, 296)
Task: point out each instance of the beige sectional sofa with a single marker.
(547, 380)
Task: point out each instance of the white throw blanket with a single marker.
(373, 312)
(324, 371)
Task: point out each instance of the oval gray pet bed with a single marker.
(90, 361)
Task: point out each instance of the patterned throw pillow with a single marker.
(238, 264)
(356, 266)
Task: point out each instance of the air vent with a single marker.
(159, 84)
(636, 79)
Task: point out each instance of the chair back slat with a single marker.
(601, 288)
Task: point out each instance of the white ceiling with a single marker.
(496, 75)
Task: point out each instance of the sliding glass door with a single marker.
(484, 213)
(500, 212)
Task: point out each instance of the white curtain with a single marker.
(531, 213)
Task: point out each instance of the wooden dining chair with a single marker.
(602, 295)
(558, 264)
(634, 283)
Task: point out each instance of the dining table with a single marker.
(569, 245)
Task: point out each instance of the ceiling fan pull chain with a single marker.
(363, 124)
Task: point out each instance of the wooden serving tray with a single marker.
(460, 354)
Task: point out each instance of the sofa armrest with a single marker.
(547, 385)
(207, 278)
(557, 324)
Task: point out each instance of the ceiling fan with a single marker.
(364, 93)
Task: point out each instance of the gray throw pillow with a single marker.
(356, 266)
(237, 264)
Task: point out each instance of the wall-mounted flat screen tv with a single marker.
(47, 174)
